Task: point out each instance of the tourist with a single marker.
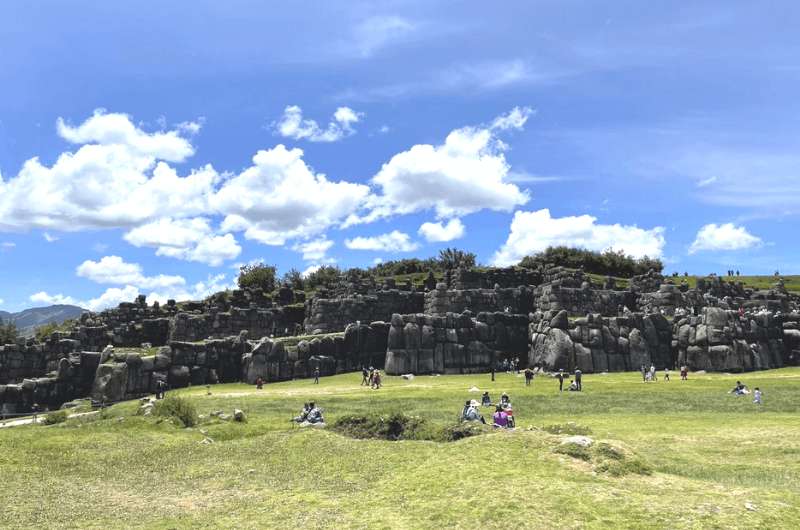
(684, 373)
(644, 373)
(560, 376)
(653, 372)
(500, 418)
(314, 414)
(573, 386)
(259, 383)
(364, 376)
(740, 389)
(493, 370)
(161, 389)
(505, 401)
(303, 414)
(578, 375)
(486, 401)
(376, 379)
(471, 413)
(666, 375)
(528, 376)
(757, 396)
(516, 365)
(316, 375)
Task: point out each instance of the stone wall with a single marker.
(258, 322)
(491, 277)
(582, 300)
(598, 344)
(721, 340)
(440, 301)
(454, 343)
(326, 315)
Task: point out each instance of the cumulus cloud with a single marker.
(187, 239)
(438, 232)
(119, 177)
(7, 245)
(315, 250)
(49, 238)
(535, 231)
(114, 270)
(394, 241)
(279, 198)
(465, 174)
(724, 237)
(42, 297)
(292, 125)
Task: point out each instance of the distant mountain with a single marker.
(28, 320)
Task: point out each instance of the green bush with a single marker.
(59, 416)
(570, 428)
(607, 262)
(398, 426)
(574, 450)
(178, 409)
(257, 276)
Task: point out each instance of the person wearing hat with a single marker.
(486, 401)
(470, 412)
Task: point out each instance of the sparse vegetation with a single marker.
(53, 418)
(257, 276)
(8, 332)
(178, 409)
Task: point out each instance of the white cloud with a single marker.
(535, 231)
(279, 198)
(187, 239)
(292, 125)
(377, 32)
(114, 270)
(118, 178)
(49, 238)
(377, 261)
(56, 299)
(394, 241)
(465, 174)
(191, 127)
(706, 182)
(310, 270)
(7, 245)
(2, 301)
(314, 250)
(724, 237)
(438, 232)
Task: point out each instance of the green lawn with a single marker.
(718, 461)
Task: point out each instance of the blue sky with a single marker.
(151, 148)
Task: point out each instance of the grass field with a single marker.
(717, 461)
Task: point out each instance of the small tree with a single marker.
(294, 278)
(452, 258)
(257, 276)
(325, 276)
(8, 332)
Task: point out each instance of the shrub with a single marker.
(397, 426)
(608, 262)
(59, 416)
(257, 276)
(178, 409)
(570, 428)
(574, 450)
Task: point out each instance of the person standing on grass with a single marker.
(364, 376)
(493, 372)
(684, 373)
(528, 376)
(560, 376)
(259, 383)
(653, 372)
(666, 375)
(578, 376)
(316, 375)
(644, 374)
(757, 396)
(376, 379)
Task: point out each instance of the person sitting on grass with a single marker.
(505, 401)
(740, 389)
(573, 386)
(486, 401)
(303, 414)
(500, 418)
(315, 414)
(470, 412)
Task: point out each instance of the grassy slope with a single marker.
(712, 453)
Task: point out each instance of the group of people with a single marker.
(371, 377)
(575, 385)
(741, 390)
(503, 416)
(508, 365)
(311, 413)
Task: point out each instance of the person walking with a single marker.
(578, 375)
(364, 376)
(757, 396)
(316, 375)
(528, 376)
(644, 374)
(560, 377)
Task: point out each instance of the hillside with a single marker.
(683, 454)
(28, 320)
